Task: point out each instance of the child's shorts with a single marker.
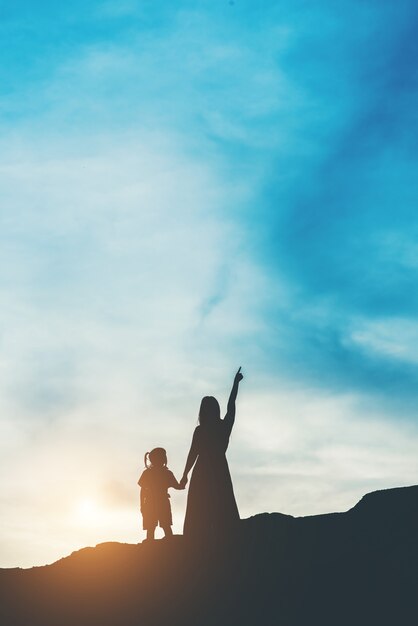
(156, 513)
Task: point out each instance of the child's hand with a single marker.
(183, 482)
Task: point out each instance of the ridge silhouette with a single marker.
(358, 568)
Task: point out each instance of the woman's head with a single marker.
(157, 458)
(209, 412)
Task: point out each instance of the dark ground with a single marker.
(358, 568)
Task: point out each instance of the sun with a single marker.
(87, 510)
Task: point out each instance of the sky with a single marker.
(186, 188)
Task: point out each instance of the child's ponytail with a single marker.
(146, 460)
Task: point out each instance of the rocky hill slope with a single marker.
(358, 568)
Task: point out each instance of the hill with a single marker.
(358, 568)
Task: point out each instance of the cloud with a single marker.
(124, 241)
(338, 231)
(305, 452)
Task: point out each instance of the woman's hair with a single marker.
(157, 456)
(209, 412)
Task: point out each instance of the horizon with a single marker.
(185, 190)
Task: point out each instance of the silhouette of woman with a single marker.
(211, 507)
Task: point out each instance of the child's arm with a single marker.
(230, 411)
(175, 483)
(142, 497)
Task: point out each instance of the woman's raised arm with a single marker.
(230, 410)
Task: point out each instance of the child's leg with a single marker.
(150, 533)
(168, 532)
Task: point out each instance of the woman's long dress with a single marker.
(211, 506)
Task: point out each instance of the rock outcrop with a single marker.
(358, 568)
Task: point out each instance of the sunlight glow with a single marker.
(87, 511)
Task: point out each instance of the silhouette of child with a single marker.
(154, 482)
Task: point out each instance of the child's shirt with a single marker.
(156, 480)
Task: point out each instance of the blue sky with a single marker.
(189, 187)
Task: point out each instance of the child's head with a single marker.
(156, 458)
